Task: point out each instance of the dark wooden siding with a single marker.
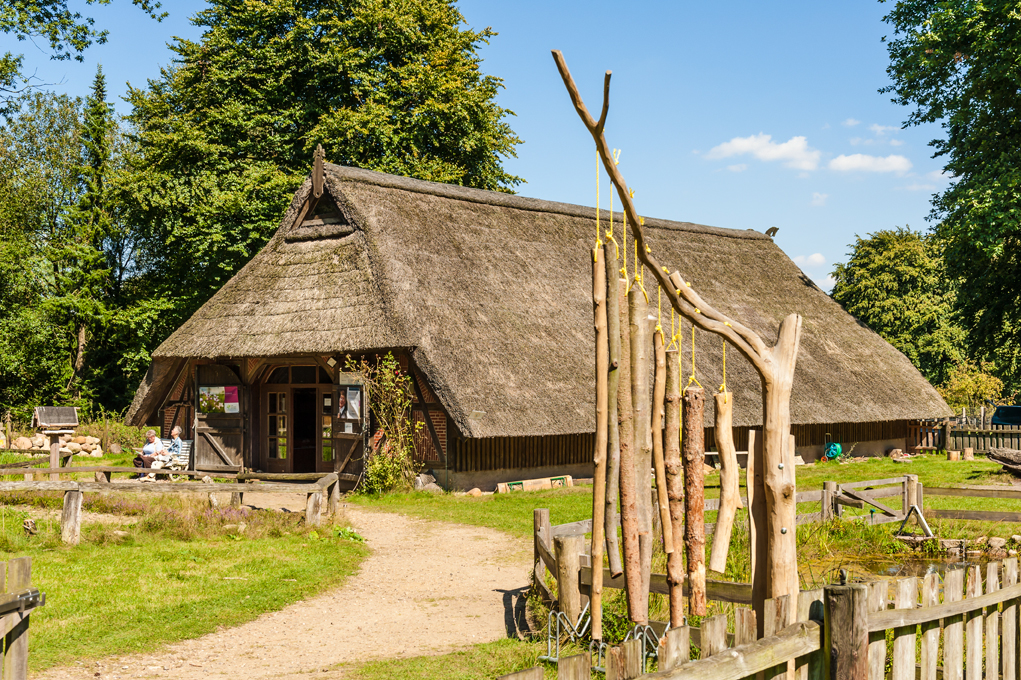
(815, 435)
(498, 453)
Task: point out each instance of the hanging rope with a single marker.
(723, 386)
(693, 379)
(674, 334)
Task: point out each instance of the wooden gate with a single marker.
(219, 418)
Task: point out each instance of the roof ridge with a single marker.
(498, 198)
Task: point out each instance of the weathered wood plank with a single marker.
(744, 626)
(714, 635)
(19, 577)
(999, 492)
(896, 618)
(810, 608)
(577, 667)
(930, 629)
(625, 661)
(567, 550)
(675, 648)
(904, 638)
(535, 673)
(71, 518)
(1009, 623)
(846, 636)
(979, 515)
(877, 639)
(953, 626)
(992, 624)
(973, 627)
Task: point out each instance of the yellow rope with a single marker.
(659, 313)
(693, 379)
(723, 387)
(673, 336)
(595, 256)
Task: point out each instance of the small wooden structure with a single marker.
(55, 421)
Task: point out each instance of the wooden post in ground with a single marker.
(911, 495)
(71, 518)
(614, 286)
(19, 577)
(757, 528)
(969, 453)
(628, 493)
(542, 531)
(314, 509)
(674, 647)
(334, 502)
(599, 454)
(54, 456)
(658, 408)
(641, 367)
(730, 472)
(846, 638)
(567, 550)
(1009, 625)
(674, 485)
(693, 457)
(826, 502)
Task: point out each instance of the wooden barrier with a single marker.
(17, 601)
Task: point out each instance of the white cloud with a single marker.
(740, 167)
(813, 260)
(819, 199)
(827, 283)
(865, 163)
(896, 142)
(919, 186)
(939, 176)
(794, 153)
(882, 129)
(850, 122)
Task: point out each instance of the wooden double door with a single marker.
(301, 427)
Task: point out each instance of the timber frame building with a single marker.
(486, 298)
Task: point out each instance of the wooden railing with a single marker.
(316, 486)
(932, 435)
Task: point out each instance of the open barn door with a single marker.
(219, 419)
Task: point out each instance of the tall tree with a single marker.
(226, 135)
(956, 62)
(895, 283)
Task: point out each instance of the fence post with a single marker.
(826, 502)
(626, 661)
(541, 531)
(19, 577)
(577, 667)
(911, 494)
(567, 550)
(71, 518)
(846, 632)
(314, 509)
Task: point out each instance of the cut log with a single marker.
(674, 485)
(1010, 459)
(628, 494)
(693, 457)
(610, 517)
(641, 401)
(730, 493)
(658, 395)
(599, 454)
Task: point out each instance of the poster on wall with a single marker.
(213, 399)
(354, 402)
(230, 399)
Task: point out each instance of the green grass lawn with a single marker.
(179, 571)
(478, 662)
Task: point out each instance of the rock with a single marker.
(96, 454)
(23, 443)
(423, 479)
(1012, 553)
(902, 459)
(65, 451)
(120, 534)
(1016, 538)
(214, 501)
(997, 553)
(432, 487)
(997, 543)
(475, 492)
(798, 460)
(980, 540)
(79, 440)
(92, 440)
(895, 453)
(708, 469)
(952, 546)
(39, 441)
(115, 449)
(73, 447)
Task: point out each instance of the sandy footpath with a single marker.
(428, 587)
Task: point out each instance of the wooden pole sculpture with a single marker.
(674, 486)
(658, 395)
(693, 459)
(730, 473)
(599, 455)
(775, 366)
(613, 431)
(641, 404)
(628, 493)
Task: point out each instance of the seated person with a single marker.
(152, 452)
(175, 444)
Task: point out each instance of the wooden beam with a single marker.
(425, 410)
(216, 447)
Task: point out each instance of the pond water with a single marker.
(825, 572)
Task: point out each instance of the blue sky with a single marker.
(744, 115)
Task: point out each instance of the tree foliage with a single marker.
(956, 63)
(226, 134)
(971, 386)
(895, 283)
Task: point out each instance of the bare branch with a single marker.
(686, 301)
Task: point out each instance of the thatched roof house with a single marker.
(487, 296)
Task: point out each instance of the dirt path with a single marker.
(427, 587)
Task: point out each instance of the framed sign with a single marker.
(219, 399)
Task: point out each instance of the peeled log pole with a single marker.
(674, 485)
(693, 457)
(628, 494)
(641, 367)
(658, 394)
(613, 432)
(730, 472)
(599, 455)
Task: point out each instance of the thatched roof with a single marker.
(492, 292)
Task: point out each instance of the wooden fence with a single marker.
(17, 601)
(315, 485)
(933, 435)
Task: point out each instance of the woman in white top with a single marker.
(151, 452)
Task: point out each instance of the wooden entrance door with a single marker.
(293, 400)
(219, 418)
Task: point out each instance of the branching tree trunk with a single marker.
(730, 473)
(775, 365)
